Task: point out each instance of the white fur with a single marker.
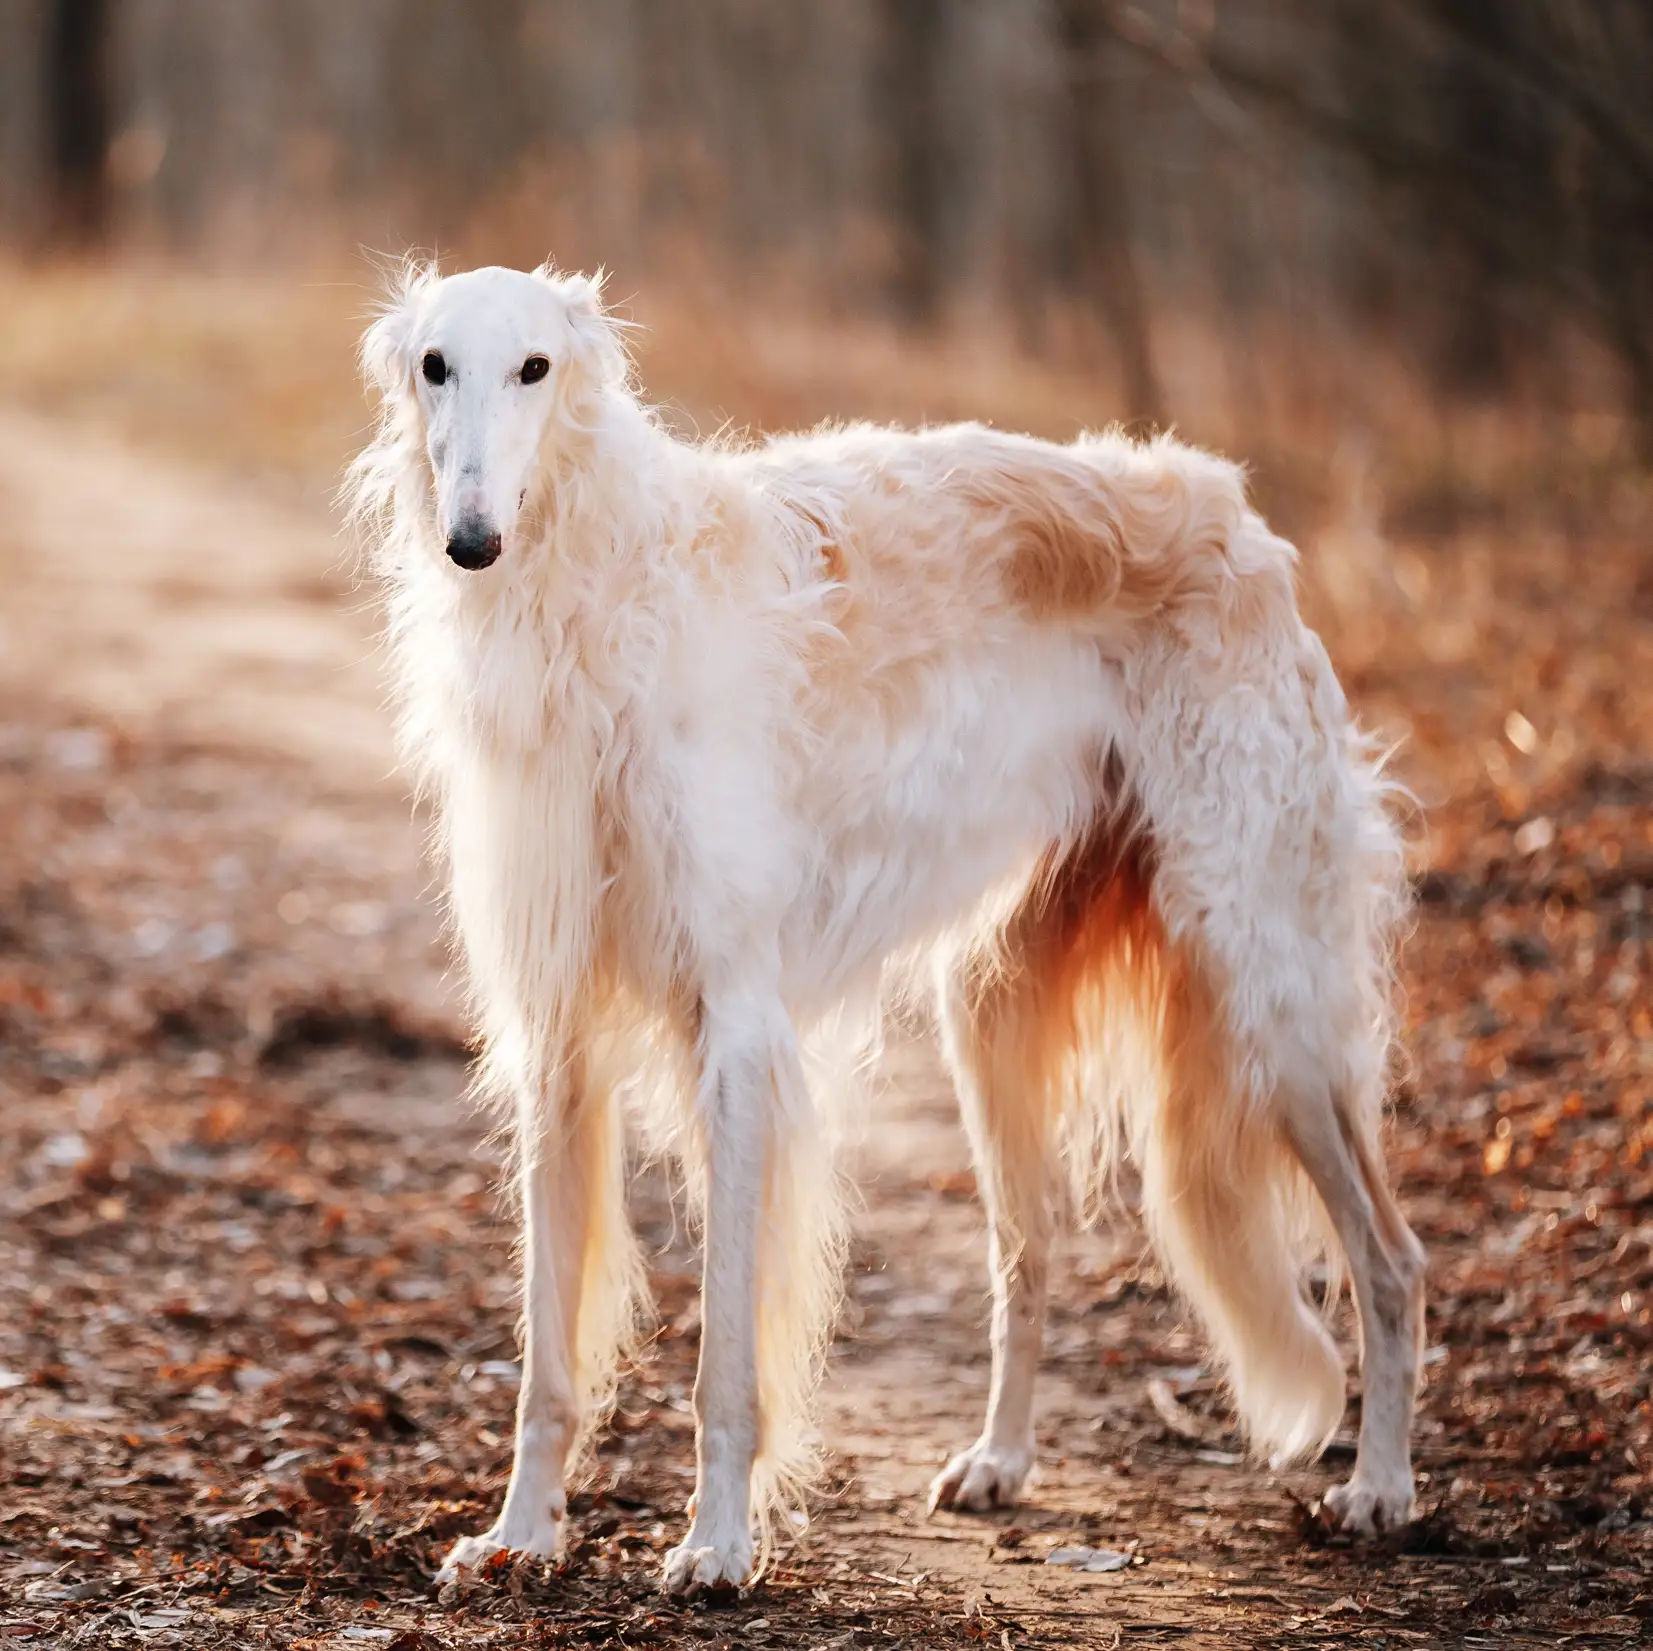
(725, 730)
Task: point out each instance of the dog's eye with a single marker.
(434, 367)
(534, 369)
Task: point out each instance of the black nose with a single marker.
(473, 545)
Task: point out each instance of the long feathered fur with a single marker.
(781, 713)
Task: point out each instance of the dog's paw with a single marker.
(470, 1553)
(1369, 1504)
(697, 1566)
(982, 1477)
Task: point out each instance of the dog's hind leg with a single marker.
(1386, 1267)
(576, 1288)
(991, 1028)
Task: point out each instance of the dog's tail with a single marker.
(1236, 1224)
(1139, 1054)
(1238, 974)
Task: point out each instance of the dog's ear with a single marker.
(384, 357)
(598, 350)
(385, 361)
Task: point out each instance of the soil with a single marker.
(257, 1303)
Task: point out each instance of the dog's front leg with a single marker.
(736, 1098)
(554, 1140)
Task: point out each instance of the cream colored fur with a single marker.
(725, 729)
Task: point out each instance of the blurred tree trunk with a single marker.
(1096, 255)
(1541, 178)
(77, 112)
(913, 42)
(1476, 115)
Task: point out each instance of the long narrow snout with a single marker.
(473, 544)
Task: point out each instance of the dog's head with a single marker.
(495, 365)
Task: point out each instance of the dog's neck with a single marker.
(611, 496)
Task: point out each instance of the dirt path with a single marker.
(257, 1310)
(177, 604)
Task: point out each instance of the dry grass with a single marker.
(249, 374)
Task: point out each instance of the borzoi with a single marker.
(718, 734)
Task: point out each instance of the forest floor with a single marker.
(257, 1339)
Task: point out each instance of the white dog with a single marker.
(717, 733)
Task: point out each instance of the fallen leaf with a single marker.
(1088, 1559)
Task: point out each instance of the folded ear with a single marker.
(384, 351)
(598, 348)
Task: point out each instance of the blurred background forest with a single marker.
(1230, 213)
